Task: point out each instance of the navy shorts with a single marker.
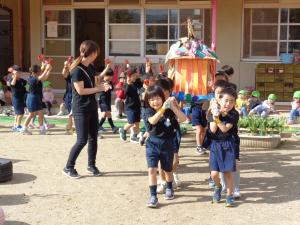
(158, 149)
(177, 141)
(19, 105)
(34, 103)
(133, 116)
(105, 107)
(199, 117)
(222, 156)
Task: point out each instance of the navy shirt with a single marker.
(232, 117)
(18, 90)
(35, 86)
(83, 103)
(105, 96)
(132, 101)
(165, 127)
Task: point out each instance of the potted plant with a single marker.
(260, 132)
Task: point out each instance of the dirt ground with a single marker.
(40, 194)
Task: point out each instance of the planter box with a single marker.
(268, 141)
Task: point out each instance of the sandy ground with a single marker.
(40, 194)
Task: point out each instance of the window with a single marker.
(165, 26)
(270, 32)
(124, 32)
(57, 37)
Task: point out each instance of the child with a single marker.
(228, 71)
(105, 102)
(160, 119)
(120, 95)
(295, 112)
(167, 86)
(48, 96)
(132, 106)
(242, 104)
(254, 100)
(34, 97)
(222, 155)
(200, 122)
(18, 89)
(266, 108)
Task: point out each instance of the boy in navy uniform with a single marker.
(105, 102)
(222, 155)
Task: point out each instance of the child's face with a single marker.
(227, 103)
(155, 103)
(271, 102)
(243, 97)
(167, 93)
(122, 80)
(296, 100)
(254, 98)
(218, 90)
(107, 78)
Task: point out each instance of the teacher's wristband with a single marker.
(217, 121)
(162, 111)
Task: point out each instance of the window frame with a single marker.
(279, 7)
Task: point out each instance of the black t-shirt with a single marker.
(83, 103)
(132, 99)
(18, 90)
(35, 86)
(232, 117)
(165, 127)
(105, 96)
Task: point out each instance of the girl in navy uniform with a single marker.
(132, 105)
(222, 154)
(105, 102)
(84, 107)
(161, 119)
(18, 88)
(35, 95)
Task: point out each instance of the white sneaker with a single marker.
(177, 180)
(161, 188)
(25, 131)
(236, 194)
(43, 131)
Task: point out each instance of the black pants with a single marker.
(87, 132)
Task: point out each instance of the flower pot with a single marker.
(268, 141)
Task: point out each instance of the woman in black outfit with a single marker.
(84, 107)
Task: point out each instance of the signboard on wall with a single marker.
(52, 29)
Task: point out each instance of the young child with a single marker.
(34, 97)
(132, 106)
(105, 102)
(48, 96)
(266, 108)
(18, 89)
(222, 155)
(160, 118)
(295, 112)
(254, 100)
(199, 121)
(120, 95)
(228, 71)
(242, 104)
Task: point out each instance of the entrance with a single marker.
(90, 25)
(6, 45)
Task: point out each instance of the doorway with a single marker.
(6, 40)
(90, 25)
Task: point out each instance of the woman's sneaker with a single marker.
(122, 133)
(177, 180)
(229, 201)
(94, 171)
(115, 130)
(236, 194)
(134, 139)
(169, 195)
(25, 131)
(71, 172)
(200, 150)
(211, 183)
(161, 188)
(153, 202)
(217, 194)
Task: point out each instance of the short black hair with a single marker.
(232, 85)
(164, 84)
(220, 73)
(109, 72)
(228, 70)
(221, 84)
(228, 91)
(153, 91)
(35, 69)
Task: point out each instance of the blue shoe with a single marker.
(169, 195)
(115, 130)
(229, 201)
(19, 128)
(217, 194)
(211, 183)
(101, 129)
(153, 202)
(122, 133)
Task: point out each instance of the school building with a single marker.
(248, 32)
